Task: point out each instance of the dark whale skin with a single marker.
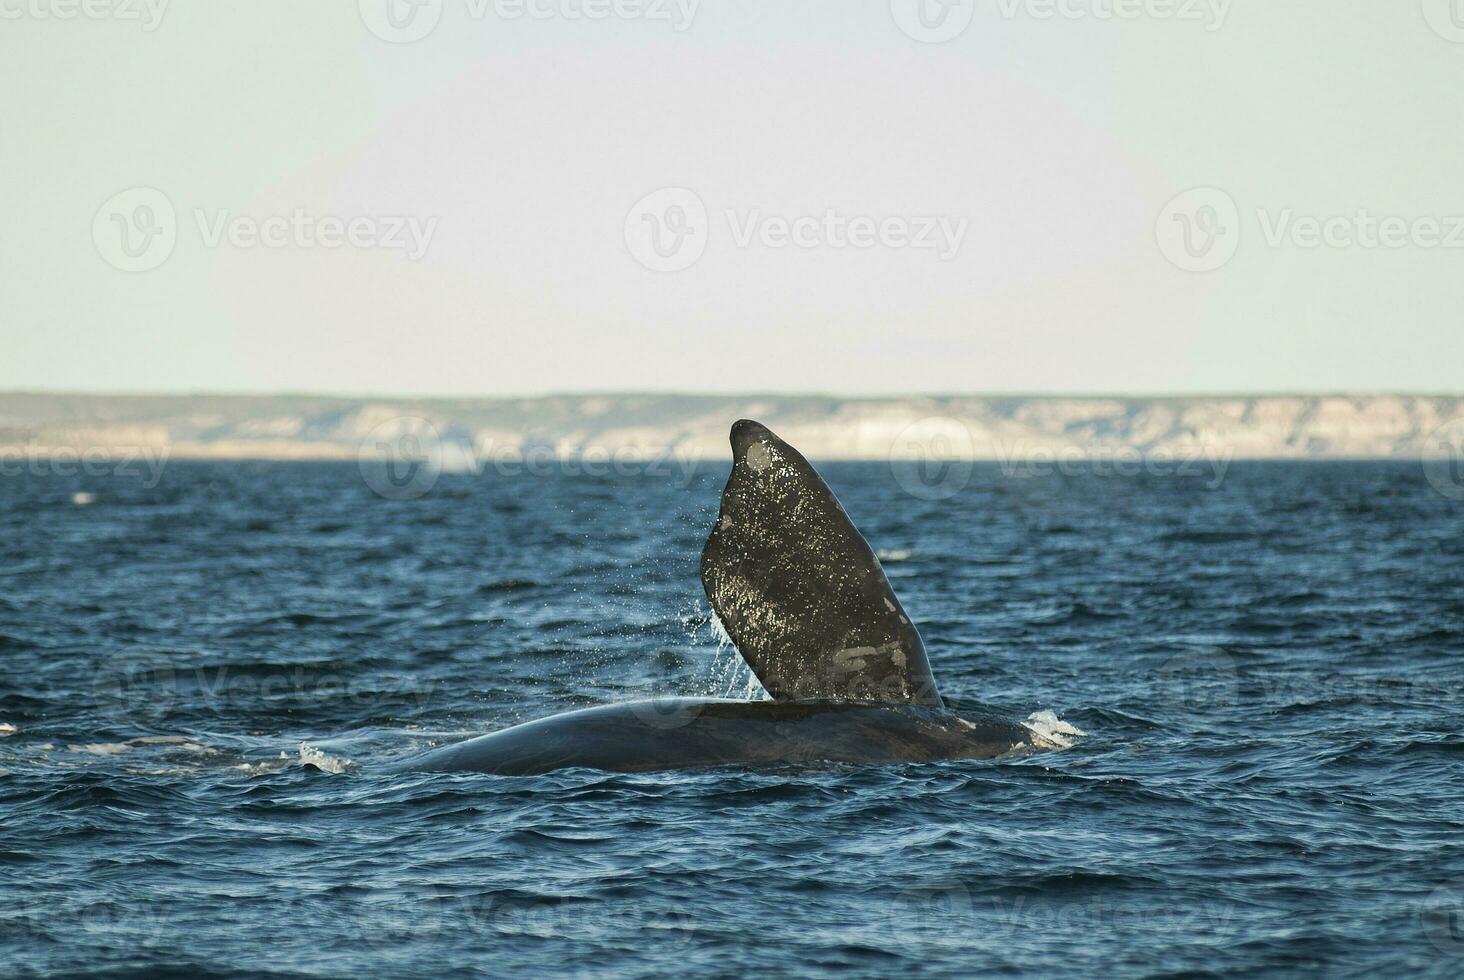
(689, 733)
(799, 590)
(803, 597)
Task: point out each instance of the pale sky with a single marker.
(569, 195)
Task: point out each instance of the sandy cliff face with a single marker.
(646, 426)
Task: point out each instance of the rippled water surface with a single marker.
(200, 677)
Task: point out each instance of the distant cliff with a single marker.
(695, 426)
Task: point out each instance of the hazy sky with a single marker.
(846, 196)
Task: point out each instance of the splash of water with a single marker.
(732, 677)
(311, 756)
(1049, 726)
(728, 675)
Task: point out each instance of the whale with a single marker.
(807, 605)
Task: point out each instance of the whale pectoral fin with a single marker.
(798, 589)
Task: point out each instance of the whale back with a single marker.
(684, 733)
(798, 589)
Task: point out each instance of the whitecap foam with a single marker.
(311, 756)
(165, 742)
(100, 748)
(1047, 725)
(894, 554)
(7, 729)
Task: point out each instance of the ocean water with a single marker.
(202, 672)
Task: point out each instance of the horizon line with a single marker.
(677, 393)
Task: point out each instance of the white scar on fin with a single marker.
(854, 658)
(759, 458)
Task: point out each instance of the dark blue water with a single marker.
(201, 675)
